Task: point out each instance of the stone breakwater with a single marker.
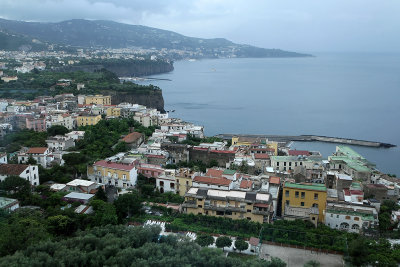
(312, 138)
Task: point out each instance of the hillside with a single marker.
(16, 42)
(109, 34)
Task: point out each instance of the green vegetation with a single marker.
(385, 225)
(194, 165)
(241, 245)
(246, 257)
(33, 84)
(27, 138)
(195, 141)
(122, 246)
(223, 241)
(205, 240)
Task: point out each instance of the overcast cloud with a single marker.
(299, 25)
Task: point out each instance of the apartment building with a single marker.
(252, 206)
(304, 201)
(98, 100)
(88, 119)
(113, 173)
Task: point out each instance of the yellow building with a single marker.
(113, 112)
(304, 201)
(184, 181)
(85, 120)
(232, 204)
(113, 173)
(98, 100)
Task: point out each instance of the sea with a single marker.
(350, 95)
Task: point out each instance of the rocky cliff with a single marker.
(152, 99)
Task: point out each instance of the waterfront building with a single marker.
(233, 204)
(304, 201)
(350, 162)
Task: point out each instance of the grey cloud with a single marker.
(307, 25)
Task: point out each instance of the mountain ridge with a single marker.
(111, 34)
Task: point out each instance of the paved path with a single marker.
(298, 257)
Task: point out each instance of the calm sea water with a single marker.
(344, 95)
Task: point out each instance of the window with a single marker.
(248, 210)
(172, 185)
(355, 227)
(284, 164)
(199, 206)
(348, 217)
(302, 204)
(315, 205)
(277, 164)
(331, 215)
(301, 163)
(337, 216)
(313, 218)
(187, 183)
(161, 183)
(220, 213)
(124, 176)
(287, 202)
(290, 163)
(286, 193)
(356, 218)
(315, 196)
(109, 174)
(303, 194)
(296, 194)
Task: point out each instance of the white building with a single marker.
(76, 135)
(59, 143)
(287, 163)
(212, 183)
(27, 172)
(3, 158)
(351, 218)
(166, 182)
(39, 154)
(81, 186)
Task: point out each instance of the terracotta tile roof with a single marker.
(132, 137)
(245, 184)
(36, 150)
(299, 153)
(12, 169)
(155, 156)
(214, 173)
(113, 165)
(261, 156)
(274, 180)
(211, 180)
(356, 192)
(222, 151)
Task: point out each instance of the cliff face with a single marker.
(151, 99)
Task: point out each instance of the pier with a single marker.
(311, 138)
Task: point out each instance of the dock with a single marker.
(311, 138)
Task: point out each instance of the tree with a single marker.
(100, 194)
(128, 205)
(205, 240)
(105, 213)
(241, 245)
(57, 130)
(223, 241)
(16, 187)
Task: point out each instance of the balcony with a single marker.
(224, 208)
(190, 204)
(260, 212)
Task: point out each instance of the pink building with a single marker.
(36, 124)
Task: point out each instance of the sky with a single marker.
(297, 25)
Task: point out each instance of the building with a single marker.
(59, 143)
(36, 124)
(76, 135)
(78, 197)
(113, 173)
(3, 158)
(351, 218)
(166, 182)
(88, 119)
(376, 191)
(98, 100)
(133, 139)
(39, 154)
(252, 206)
(347, 160)
(81, 186)
(212, 183)
(288, 163)
(304, 201)
(184, 181)
(8, 204)
(27, 172)
(113, 112)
